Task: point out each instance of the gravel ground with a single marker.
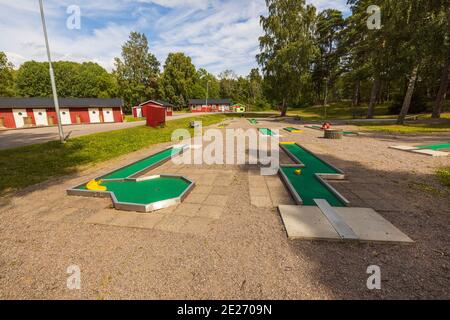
(245, 254)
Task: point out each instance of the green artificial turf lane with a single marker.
(132, 169)
(266, 131)
(440, 146)
(253, 121)
(148, 191)
(290, 129)
(307, 185)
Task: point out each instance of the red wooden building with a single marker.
(140, 111)
(210, 105)
(30, 112)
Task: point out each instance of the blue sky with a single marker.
(217, 34)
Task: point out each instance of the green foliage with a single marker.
(326, 67)
(205, 80)
(6, 76)
(85, 80)
(418, 104)
(338, 110)
(288, 49)
(137, 72)
(178, 79)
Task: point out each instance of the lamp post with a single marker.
(52, 75)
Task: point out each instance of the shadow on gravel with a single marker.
(415, 205)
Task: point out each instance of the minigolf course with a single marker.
(322, 213)
(310, 183)
(346, 133)
(266, 132)
(434, 150)
(131, 193)
(293, 130)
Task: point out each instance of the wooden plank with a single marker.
(344, 231)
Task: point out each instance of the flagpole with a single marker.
(52, 75)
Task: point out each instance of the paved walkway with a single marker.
(23, 137)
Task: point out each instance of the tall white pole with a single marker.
(207, 92)
(52, 75)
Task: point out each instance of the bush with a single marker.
(418, 104)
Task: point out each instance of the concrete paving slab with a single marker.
(147, 221)
(172, 223)
(261, 202)
(370, 226)
(282, 201)
(221, 190)
(101, 217)
(212, 212)
(259, 191)
(201, 190)
(404, 148)
(196, 198)
(187, 209)
(307, 223)
(339, 224)
(198, 226)
(433, 153)
(218, 200)
(123, 219)
(224, 181)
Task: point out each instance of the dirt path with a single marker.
(224, 242)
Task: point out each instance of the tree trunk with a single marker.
(325, 99)
(284, 108)
(439, 103)
(408, 96)
(380, 95)
(356, 94)
(373, 97)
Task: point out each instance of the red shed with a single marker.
(30, 112)
(155, 103)
(210, 105)
(156, 115)
(7, 118)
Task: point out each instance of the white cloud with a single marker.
(217, 34)
(200, 4)
(327, 4)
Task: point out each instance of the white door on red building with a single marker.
(94, 115)
(108, 115)
(40, 116)
(18, 115)
(65, 116)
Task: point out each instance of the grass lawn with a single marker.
(407, 128)
(25, 166)
(339, 111)
(130, 118)
(444, 176)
